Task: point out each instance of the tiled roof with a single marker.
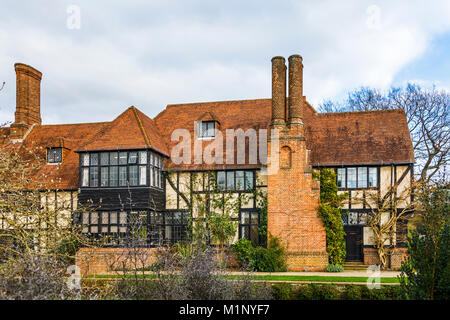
(241, 114)
(334, 139)
(69, 136)
(130, 130)
(346, 138)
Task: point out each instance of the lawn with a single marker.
(287, 278)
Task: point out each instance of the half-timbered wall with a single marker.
(178, 195)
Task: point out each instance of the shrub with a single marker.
(270, 259)
(243, 250)
(34, 277)
(335, 268)
(200, 278)
(317, 292)
(352, 292)
(282, 291)
(426, 273)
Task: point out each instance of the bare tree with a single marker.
(27, 222)
(386, 210)
(428, 117)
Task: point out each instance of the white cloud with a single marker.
(152, 54)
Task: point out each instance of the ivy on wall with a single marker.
(330, 210)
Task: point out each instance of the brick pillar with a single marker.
(295, 89)
(278, 90)
(28, 99)
(293, 196)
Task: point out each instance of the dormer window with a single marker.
(207, 129)
(54, 155)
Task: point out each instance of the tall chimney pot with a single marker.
(278, 90)
(295, 89)
(28, 94)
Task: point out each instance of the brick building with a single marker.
(133, 166)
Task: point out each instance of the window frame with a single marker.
(93, 161)
(248, 225)
(367, 186)
(234, 188)
(204, 134)
(154, 222)
(56, 151)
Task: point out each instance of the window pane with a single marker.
(85, 177)
(104, 176)
(113, 217)
(50, 156)
(122, 176)
(113, 175)
(152, 176)
(351, 176)
(244, 233)
(94, 217)
(143, 157)
(254, 218)
(113, 158)
(104, 158)
(248, 180)
(230, 180)
(123, 218)
(245, 217)
(94, 159)
(58, 155)
(254, 236)
(143, 175)
(362, 177)
(122, 158)
(133, 171)
(221, 179)
(93, 179)
(132, 157)
(373, 177)
(105, 217)
(85, 159)
(211, 132)
(239, 180)
(341, 178)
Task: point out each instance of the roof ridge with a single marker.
(72, 124)
(141, 126)
(219, 101)
(359, 112)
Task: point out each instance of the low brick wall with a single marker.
(104, 260)
(399, 255)
(307, 261)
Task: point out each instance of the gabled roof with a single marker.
(130, 130)
(241, 114)
(348, 138)
(64, 175)
(335, 139)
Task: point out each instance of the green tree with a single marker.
(426, 272)
(331, 213)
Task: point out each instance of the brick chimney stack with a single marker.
(295, 89)
(292, 193)
(28, 100)
(278, 90)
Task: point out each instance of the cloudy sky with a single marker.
(151, 53)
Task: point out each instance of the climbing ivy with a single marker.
(331, 213)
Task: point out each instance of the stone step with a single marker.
(355, 266)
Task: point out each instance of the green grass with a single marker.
(287, 278)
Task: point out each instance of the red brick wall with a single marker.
(104, 260)
(293, 199)
(399, 255)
